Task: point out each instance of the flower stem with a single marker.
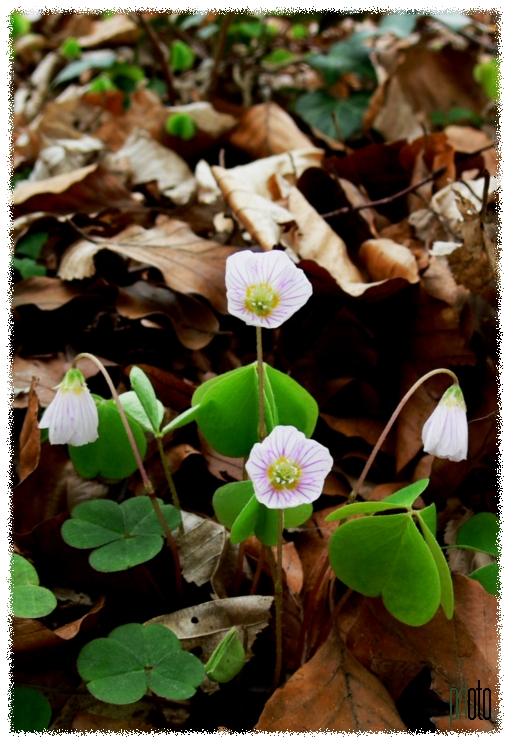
(278, 595)
(169, 480)
(146, 481)
(388, 427)
(262, 428)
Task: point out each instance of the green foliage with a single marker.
(228, 658)
(31, 244)
(71, 48)
(237, 508)
(124, 535)
(386, 555)
(345, 56)
(488, 75)
(228, 408)
(30, 711)
(480, 533)
(98, 61)
(278, 57)
(18, 25)
(299, 31)
(111, 455)
(317, 110)
(180, 125)
(28, 267)
(29, 599)
(398, 24)
(489, 577)
(151, 407)
(102, 84)
(455, 115)
(119, 669)
(182, 56)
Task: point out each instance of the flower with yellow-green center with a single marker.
(72, 416)
(265, 289)
(445, 433)
(287, 469)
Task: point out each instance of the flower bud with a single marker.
(72, 415)
(445, 433)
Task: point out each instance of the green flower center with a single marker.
(453, 397)
(284, 474)
(74, 381)
(261, 299)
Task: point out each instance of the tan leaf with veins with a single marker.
(266, 129)
(189, 263)
(334, 693)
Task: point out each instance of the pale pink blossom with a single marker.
(287, 469)
(265, 289)
(445, 433)
(72, 415)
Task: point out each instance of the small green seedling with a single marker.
(395, 556)
(29, 599)
(121, 668)
(180, 125)
(121, 536)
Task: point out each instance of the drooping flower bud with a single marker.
(445, 433)
(72, 415)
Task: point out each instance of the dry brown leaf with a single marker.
(206, 118)
(87, 722)
(30, 436)
(224, 468)
(30, 634)
(205, 625)
(467, 139)
(262, 218)
(266, 129)
(44, 292)
(86, 190)
(364, 428)
(386, 259)
(188, 262)
(142, 159)
(118, 30)
(391, 114)
(439, 282)
(292, 567)
(331, 693)
(462, 725)
(194, 323)
(462, 649)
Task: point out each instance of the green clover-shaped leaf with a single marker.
(29, 599)
(119, 669)
(124, 535)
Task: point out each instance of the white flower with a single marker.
(287, 469)
(445, 433)
(72, 415)
(265, 289)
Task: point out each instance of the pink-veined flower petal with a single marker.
(445, 433)
(265, 289)
(287, 469)
(72, 416)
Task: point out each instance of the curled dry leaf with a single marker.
(189, 263)
(385, 259)
(333, 692)
(206, 118)
(193, 322)
(86, 190)
(142, 160)
(115, 31)
(266, 129)
(30, 634)
(462, 649)
(44, 292)
(30, 436)
(205, 625)
(466, 139)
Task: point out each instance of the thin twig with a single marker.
(327, 627)
(218, 55)
(256, 579)
(278, 595)
(159, 52)
(169, 480)
(262, 428)
(387, 199)
(240, 569)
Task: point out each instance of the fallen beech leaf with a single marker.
(193, 322)
(206, 118)
(224, 468)
(467, 139)
(44, 292)
(87, 190)
(386, 259)
(292, 567)
(391, 114)
(333, 692)
(188, 262)
(463, 649)
(266, 129)
(205, 625)
(147, 161)
(263, 219)
(200, 548)
(30, 634)
(30, 436)
(365, 428)
(118, 30)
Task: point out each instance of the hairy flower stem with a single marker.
(262, 428)
(388, 427)
(146, 481)
(278, 595)
(169, 479)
